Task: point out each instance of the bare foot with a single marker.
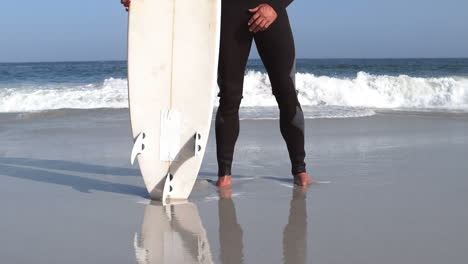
(225, 192)
(224, 181)
(302, 179)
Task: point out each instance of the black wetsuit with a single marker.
(276, 49)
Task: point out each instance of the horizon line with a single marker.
(317, 58)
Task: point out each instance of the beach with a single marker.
(390, 188)
(382, 88)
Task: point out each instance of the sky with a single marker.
(90, 30)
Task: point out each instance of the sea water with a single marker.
(327, 88)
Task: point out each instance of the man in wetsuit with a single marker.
(266, 22)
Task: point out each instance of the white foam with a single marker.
(321, 92)
(382, 91)
(286, 185)
(365, 90)
(112, 93)
(144, 202)
(323, 182)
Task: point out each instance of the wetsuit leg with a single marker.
(276, 49)
(235, 45)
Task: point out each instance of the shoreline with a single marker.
(71, 112)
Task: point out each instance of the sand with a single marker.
(391, 188)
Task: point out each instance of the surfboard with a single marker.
(173, 50)
(172, 234)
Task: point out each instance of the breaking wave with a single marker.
(364, 90)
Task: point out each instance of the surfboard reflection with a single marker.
(172, 234)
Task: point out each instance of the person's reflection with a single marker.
(230, 232)
(172, 234)
(295, 232)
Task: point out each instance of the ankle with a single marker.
(224, 181)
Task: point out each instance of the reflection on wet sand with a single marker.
(230, 232)
(175, 234)
(172, 234)
(295, 232)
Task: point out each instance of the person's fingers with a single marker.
(126, 3)
(268, 24)
(263, 25)
(253, 18)
(254, 9)
(256, 26)
(253, 26)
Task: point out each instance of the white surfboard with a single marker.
(172, 67)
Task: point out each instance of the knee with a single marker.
(230, 94)
(229, 104)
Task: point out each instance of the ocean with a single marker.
(327, 88)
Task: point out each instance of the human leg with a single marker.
(276, 49)
(235, 43)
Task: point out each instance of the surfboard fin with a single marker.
(167, 188)
(138, 146)
(198, 145)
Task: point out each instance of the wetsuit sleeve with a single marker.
(279, 4)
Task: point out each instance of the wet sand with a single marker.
(391, 188)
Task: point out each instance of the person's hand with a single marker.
(264, 15)
(126, 3)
